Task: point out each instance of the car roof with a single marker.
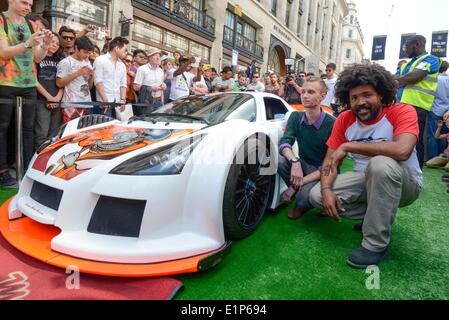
(251, 93)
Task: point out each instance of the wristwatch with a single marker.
(295, 160)
(27, 45)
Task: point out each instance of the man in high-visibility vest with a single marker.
(418, 83)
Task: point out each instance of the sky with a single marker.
(395, 17)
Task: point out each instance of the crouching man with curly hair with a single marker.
(381, 136)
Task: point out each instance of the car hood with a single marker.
(76, 154)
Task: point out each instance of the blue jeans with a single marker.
(302, 197)
(435, 147)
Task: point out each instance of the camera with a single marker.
(288, 79)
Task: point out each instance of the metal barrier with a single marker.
(20, 102)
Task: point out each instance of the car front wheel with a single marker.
(247, 190)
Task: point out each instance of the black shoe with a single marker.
(7, 182)
(363, 258)
(358, 227)
(445, 176)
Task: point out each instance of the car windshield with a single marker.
(211, 109)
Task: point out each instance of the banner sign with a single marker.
(439, 44)
(404, 38)
(379, 44)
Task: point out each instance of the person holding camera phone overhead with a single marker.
(182, 79)
(291, 90)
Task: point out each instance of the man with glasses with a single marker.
(330, 82)
(69, 36)
(128, 61)
(256, 85)
(22, 45)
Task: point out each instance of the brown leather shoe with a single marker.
(295, 213)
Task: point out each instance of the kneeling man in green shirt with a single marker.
(311, 129)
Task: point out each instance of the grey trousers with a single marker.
(374, 196)
(302, 197)
(46, 124)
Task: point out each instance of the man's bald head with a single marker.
(420, 40)
(415, 46)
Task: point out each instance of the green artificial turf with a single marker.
(5, 194)
(306, 259)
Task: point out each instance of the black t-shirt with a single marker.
(291, 95)
(46, 75)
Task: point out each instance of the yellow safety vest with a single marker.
(420, 94)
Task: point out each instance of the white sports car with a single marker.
(157, 195)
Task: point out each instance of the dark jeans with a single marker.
(302, 197)
(421, 147)
(435, 147)
(6, 118)
(47, 124)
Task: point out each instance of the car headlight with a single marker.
(168, 160)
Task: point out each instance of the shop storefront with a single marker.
(162, 25)
(147, 36)
(76, 14)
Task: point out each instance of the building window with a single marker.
(287, 14)
(177, 42)
(148, 36)
(249, 32)
(273, 7)
(199, 50)
(350, 33)
(148, 31)
(348, 53)
(79, 14)
(298, 27)
(351, 19)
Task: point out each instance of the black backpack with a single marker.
(5, 24)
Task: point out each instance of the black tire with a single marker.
(92, 120)
(247, 192)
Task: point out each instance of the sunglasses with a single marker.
(128, 61)
(68, 38)
(21, 31)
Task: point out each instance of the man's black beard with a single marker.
(374, 113)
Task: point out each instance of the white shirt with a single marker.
(112, 75)
(257, 87)
(147, 76)
(330, 91)
(179, 85)
(77, 90)
(200, 84)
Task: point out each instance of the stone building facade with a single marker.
(307, 34)
(352, 39)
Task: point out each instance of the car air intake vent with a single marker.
(117, 217)
(92, 120)
(47, 196)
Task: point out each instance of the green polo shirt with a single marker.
(311, 137)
